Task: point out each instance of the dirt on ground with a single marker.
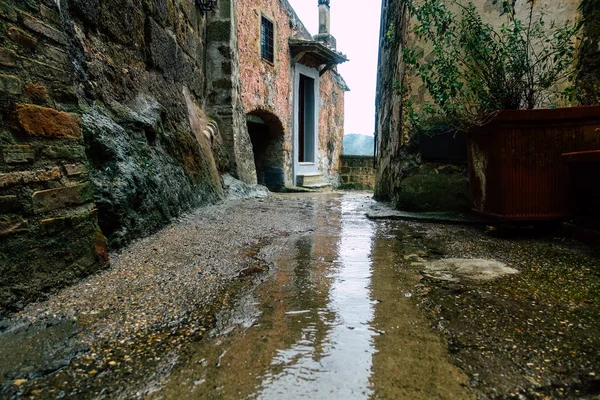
(533, 334)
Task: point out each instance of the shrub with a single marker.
(476, 69)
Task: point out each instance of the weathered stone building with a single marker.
(117, 116)
(292, 95)
(425, 173)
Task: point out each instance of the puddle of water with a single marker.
(334, 352)
(334, 322)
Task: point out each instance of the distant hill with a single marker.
(358, 145)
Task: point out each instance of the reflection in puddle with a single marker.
(316, 332)
(333, 354)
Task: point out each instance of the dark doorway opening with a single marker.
(267, 137)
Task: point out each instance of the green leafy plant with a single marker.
(391, 32)
(475, 69)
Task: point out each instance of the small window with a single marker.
(266, 39)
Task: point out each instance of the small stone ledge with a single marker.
(382, 211)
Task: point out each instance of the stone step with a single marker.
(320, 187)
(314, 182)
(309, 179)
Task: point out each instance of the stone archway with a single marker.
(267, 137)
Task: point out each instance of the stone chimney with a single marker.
(324, 35)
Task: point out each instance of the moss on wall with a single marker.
(435, 188)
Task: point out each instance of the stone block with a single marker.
(54, 199)
(10, 225)
(18, 154)
(56, 55)
(219, 31)
(121, 26)
(46, 122)
(26, 177)
(50, 14)
(37, 93)
(86, 10)
(163, 49)
(8, 58)
(22, 38)
(47, 72)
(43, 29)
(73, 153)
(10, 179)
(10, 84)
(185, 71)
(75, 169)
(9, 204)
(52, 226)
(42, 175)
(225, 9)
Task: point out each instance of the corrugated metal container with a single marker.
(515, 165)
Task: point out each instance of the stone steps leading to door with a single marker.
(313, 182)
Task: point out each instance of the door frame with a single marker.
(305, 168)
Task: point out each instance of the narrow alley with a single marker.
(302, 296)
(299, 199)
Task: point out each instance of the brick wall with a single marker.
(357, 172)
(49, 233)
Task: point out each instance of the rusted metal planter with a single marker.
(515, 161)
(584, 169)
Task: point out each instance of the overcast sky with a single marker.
(355, 25)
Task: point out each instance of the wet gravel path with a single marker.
(159, 293)
(156, 314)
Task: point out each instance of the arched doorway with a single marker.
(267, 136)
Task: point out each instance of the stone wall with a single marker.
(559, 11)
(142, 92)
(103, 132)
(397, 156)
(357, 173)
(331, 125)
(49, 233)
(398, 149)
(225, 90)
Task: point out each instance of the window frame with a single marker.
(266, 40)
